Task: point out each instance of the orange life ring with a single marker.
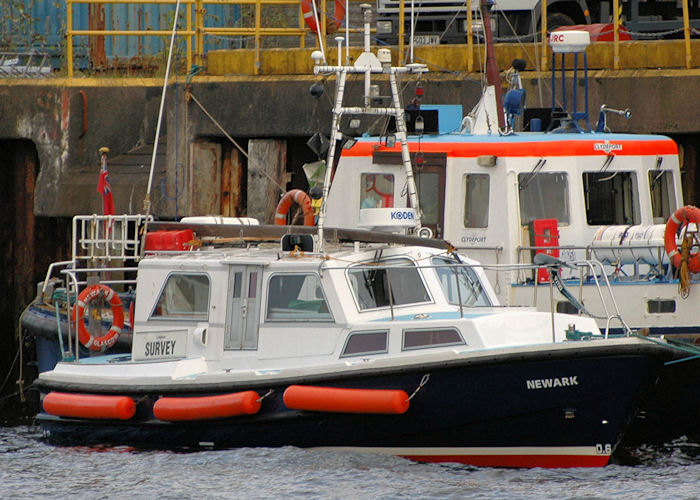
(110, 338)
(681, 217)
(333, 21)
(300, 198)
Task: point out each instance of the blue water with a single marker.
(30, 468)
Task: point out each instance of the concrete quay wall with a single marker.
(68, 120)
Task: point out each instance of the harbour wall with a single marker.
(68, 120)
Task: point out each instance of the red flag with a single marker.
(105, 189)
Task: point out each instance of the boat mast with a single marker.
(367, 63)
(493, 76)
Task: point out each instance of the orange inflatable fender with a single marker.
(300, 198)
(110, 338)
(681, 217)
(340, 400)
(93, 406)
(207, 407)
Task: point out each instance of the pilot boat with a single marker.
(364, 341)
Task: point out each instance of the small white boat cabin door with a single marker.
(243, 312)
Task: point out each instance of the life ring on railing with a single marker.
(300, 198)
(110, 338)
(681, 217)
(332, 22)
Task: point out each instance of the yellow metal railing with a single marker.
(195, 30)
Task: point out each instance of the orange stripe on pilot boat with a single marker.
(596, 146)
(207, 407)
(94, 406)
(334, 399)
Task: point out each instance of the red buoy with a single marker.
(207, 407)
(95, 406)
(334, 399)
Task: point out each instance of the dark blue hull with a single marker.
(508, 411)
(672, 408)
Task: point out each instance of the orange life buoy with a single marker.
(300, 198)
(681, 217)
(333, 21)
(110, 338)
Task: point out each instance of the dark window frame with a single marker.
(430, 345)
(357, 334)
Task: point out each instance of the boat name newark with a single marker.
(548, 383)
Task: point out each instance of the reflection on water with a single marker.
(29, 468)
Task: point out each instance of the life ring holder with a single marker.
(300, 198)
(336, 19)
(680, 218)
(107, 340)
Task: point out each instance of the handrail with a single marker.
(197, 30)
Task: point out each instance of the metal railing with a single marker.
(544, 39)
(195, 29)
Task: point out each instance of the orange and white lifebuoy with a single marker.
(681, 217)
(300, 198)
(110, 338)
(332, 23)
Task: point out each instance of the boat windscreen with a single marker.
(393, 282)
(460, 283)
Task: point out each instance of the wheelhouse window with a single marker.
(296, 297)
(360, 343)
(663, 199)
(476, 200)
(430, 192)
(376, 190)
(611, 198)
(460, 283)
(393, 282)
(421, 339)
(184, 296)
(544, 195)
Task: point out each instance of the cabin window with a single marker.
(360, 343)
(476, 200)
(661, 306)
(460, 282)
(430, 195)
(296, 297)
(663, 200)
(390, 283)
(611, 198)
(184, 296)
(419, 339)
(544, 195)
(376, 191)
